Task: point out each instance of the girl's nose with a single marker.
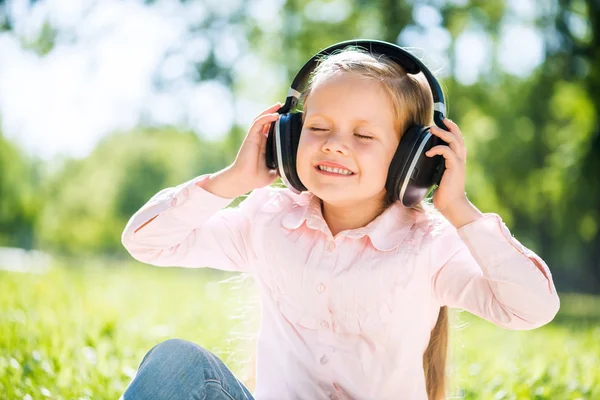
(335, 144)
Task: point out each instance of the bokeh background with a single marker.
(103, 103)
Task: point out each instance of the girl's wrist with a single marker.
(225, 183)
(461, 213)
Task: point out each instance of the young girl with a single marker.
(354, 287)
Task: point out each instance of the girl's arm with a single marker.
(188, 226)
(483, 269)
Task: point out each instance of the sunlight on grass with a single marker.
(80, 333)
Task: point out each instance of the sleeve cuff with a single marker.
(189, 198)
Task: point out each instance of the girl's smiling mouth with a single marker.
(333, 169)
(325, 170)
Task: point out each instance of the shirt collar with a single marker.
(385, 232)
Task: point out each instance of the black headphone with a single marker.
(411, 174)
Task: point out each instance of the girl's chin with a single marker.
(331, 194)
(335, 189)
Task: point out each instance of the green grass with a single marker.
(80, 333)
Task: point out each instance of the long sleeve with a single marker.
(187, 226)
(492, 275)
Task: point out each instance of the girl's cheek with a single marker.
(308, 143)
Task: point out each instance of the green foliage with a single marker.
(45, 42)
(90, 200)
(19, 197)
(532, 141)
(80, 332)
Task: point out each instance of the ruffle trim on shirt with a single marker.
(386, 232)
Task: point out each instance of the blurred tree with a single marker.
(576, 60)
(533, 141)
(19, 200)
(5, 23)
(90, 200)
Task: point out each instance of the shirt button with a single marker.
(320, 288)
(331, 246)
(324, 325)
(324, 360)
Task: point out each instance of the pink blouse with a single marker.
(350, 316)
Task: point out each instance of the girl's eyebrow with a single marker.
(357, 121)
(315, 115)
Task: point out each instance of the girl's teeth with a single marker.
(335, 170)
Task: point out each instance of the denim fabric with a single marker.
(180, 370)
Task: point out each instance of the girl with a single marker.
(354, 287)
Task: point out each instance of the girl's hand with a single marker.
(451, 192)
(249, 165)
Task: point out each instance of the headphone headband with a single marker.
(409, 62)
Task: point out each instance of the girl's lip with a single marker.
(333, 173)
(332, 165)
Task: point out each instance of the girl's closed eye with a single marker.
(315, 129)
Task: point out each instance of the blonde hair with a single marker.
(413, 104)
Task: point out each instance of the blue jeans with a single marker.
(177, 369)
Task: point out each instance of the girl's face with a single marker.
(349, 120)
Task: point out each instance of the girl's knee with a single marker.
(176, 346)
(180, 366)
(171, 367)
(180, 350)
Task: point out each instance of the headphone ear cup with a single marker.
(290, 128)
(271, 149)
(417, 172)
(402, 160)
(295, 131)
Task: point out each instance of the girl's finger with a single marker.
(446, 136)
(451, 157)
(451, 139)
(259, 124)
(269, 110)
(454, 129)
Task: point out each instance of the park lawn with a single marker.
(80, 333)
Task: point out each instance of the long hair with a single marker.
(413, 103)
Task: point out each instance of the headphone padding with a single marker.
(290, 129)
(403, 157)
